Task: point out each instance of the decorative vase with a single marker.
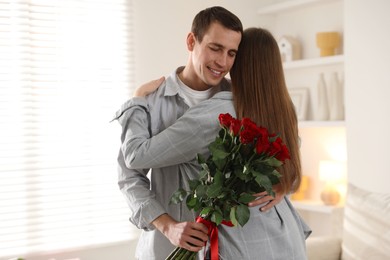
(328, 42)
(336, 107)
(322, 99)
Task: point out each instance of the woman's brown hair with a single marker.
(260, 93)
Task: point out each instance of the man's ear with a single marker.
(191, 39)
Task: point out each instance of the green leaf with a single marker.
(214, 190)
(276, 174)
(191, 202)
(222, 195)
(205, 211)
(220, 164)
(200, 159)
(178, 196)
(203, 174)
(218, 150)
(233, 218)
(242, 214)
(240, 174)
(201, 191)
(218, 178)
(272, 161)
(245, 198)
(216, 217)
(275, 177)
(265, 182)
(246, 169)
(194, 184)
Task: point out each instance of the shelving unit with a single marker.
(315, 62)
(321, 140)
(311, 124)
(295, 18)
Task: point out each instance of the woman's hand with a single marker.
(149, 87)
(268, 200)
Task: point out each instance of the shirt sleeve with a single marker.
(134, 183)
(179, 143)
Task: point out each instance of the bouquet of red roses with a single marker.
(243, 160)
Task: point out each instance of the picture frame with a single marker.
(300, 98)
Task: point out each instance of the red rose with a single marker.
(235, 126)
(262, 133)
(225, 120)
(248, 124)
(284, 154)
(247, 136)
(262, 145)
(275, 147)
(279, 150)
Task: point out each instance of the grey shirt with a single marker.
(279, 233)
(148, 196)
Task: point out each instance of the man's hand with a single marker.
(148, 87)
(268, 200)
(189, 235)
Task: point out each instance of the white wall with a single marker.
(367, 89)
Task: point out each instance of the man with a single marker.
(212, 44)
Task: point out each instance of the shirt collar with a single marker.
(172, 84)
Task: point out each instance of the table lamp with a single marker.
(331, 172)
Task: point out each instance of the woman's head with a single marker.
(257, 72)
(260, 93)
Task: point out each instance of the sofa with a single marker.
(366, 230)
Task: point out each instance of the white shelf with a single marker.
(313, 124)
(307, 63)
(315, 206)
(289, 5)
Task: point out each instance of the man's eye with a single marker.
(232, 54)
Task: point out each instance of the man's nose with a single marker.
(222, 59)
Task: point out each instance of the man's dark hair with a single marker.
(206, 17)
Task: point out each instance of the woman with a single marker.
(258, 92)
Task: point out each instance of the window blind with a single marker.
(65, 67)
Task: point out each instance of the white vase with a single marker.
(336, 106)
(322, 112)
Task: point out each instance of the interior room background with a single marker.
(66, 66)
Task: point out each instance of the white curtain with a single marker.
(65, 67)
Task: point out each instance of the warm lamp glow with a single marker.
(300, 193)
(332, 172)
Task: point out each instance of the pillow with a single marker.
(366, 232)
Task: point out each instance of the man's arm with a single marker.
(147, 212)
(266, 201)
(135, 186)
(189, 235)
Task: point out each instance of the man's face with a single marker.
(213, 58)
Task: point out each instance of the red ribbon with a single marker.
(213, 234)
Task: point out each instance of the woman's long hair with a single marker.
(260, 93)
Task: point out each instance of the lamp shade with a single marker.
(332, 171)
